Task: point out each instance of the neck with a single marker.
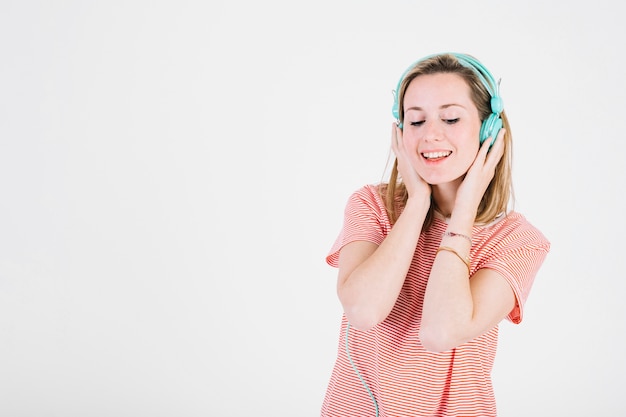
(446, 215)
(443, 199)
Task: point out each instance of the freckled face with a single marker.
(441, 127)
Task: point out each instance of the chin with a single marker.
(443, 180)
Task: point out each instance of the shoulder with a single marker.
(514, 248)
(370, 192)
(365, 219)
(366, 205)
(368, 195)
(513, 229)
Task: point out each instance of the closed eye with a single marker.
(417, 123)
(451, 121)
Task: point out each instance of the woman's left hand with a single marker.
(480, 174)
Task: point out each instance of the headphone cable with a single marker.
(357, 371)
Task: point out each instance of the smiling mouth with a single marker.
(436, 155)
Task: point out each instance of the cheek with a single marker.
(467, 155)
(467, 141)
(410, 138)
(472, 147)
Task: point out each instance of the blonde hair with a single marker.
(496, 199)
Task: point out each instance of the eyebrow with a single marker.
(445, 106)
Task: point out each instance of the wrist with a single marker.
(421, 203)
(449, 233)
(461, 221)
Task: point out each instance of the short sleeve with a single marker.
(365, 219)
(518, 257)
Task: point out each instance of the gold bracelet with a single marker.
(466, 260)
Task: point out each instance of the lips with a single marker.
(436, 155)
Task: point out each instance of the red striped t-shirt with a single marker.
(403, 377)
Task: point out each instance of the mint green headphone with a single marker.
(492, 124)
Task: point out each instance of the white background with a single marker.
(172, 175)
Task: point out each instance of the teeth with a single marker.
(434, 155)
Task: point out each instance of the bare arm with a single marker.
(371, 277)
(457, 309)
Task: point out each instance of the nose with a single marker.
(431, 131)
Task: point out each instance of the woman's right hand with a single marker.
(415, 185)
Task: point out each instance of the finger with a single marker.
(492, 148)
(498, 146)
(398, 132)
(500, 137)
(486, 146)
(394, 138)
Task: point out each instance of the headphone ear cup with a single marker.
(490, 128)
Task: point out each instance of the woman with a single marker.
(430, 262)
